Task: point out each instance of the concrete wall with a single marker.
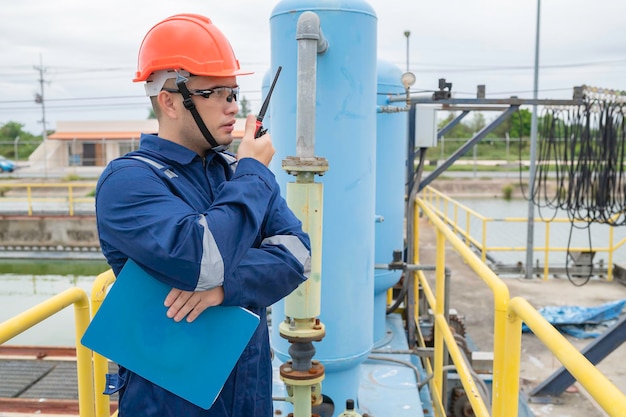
(50, 232)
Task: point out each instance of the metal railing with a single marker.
(508, 314)
(91, 380)
(460, 219)
(47, 198)
(29, 318)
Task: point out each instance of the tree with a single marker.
(460, 131)
(477, 123)
(517, 125)
(27, 141)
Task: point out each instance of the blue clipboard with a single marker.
(191, 360)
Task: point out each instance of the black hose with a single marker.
(581, 150)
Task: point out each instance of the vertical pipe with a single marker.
(407, 34)
(609, 267)
(446, 314)
(416, 235)
(305, 197)
(302, 408)
(306, 201)
(345, 134)
(411, 249)
(310, 43)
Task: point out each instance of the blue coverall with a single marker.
(195, 223)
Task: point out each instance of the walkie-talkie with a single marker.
(260, 131)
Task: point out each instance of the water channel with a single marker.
(26, 283)
(591, 237)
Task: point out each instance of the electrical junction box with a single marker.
(425, 126)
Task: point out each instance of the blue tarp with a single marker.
(581, 322)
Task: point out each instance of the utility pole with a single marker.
(39, 99)
(530, 246)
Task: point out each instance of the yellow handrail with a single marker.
(508, 314)
(100, 363)
(24, 321)
(31, 193)
(501, 299)
(435, 199)
(608, 396)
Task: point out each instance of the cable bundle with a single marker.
(583, 149)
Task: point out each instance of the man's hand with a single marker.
(260, 149)
(191, 303)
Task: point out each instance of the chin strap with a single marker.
(191, 106)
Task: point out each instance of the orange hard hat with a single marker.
(189, 42)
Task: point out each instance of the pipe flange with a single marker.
(313, 375)
(295, 164)
(301, 334)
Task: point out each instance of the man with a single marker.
(212, 226)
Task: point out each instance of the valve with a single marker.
(350, 411)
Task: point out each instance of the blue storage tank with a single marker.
(346, 136)
(391, 137)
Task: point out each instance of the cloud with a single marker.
(89, 49)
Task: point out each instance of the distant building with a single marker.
(95, 143)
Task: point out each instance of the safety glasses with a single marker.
(216, 93)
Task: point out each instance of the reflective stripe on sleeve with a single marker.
(212, 264)
(295, 247)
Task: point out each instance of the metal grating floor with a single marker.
(36, 379)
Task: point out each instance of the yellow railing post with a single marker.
(501, 299)
(511, 370)
(32, 196)
(100, 363)
(608, 396)
(70, 200)
(439, 310)
(483, 248)
(29, 200)
(467, 228)
(24, 321)
(456, 215)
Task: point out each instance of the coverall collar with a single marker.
(171, 150)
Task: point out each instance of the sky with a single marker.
(86, 52)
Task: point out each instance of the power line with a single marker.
(448, 68)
